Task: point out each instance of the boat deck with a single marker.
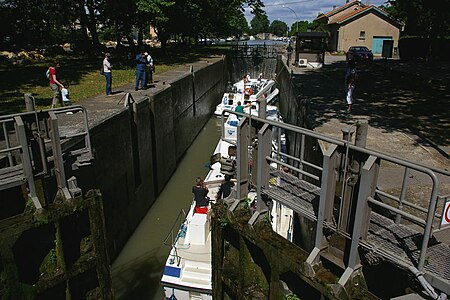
(397, 243)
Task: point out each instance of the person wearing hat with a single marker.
(200, 192)
(107, 73)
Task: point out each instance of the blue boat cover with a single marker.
(172, 271)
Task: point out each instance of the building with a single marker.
(357, 24)
(310, 49)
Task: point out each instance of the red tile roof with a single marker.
(352, 13)
(341, 8)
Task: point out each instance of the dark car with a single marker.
(359, 53)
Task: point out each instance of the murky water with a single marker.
(137, 270)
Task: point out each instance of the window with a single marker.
(362, 35)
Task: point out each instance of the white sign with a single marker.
(446, 214)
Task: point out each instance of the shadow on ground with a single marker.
(391, 100)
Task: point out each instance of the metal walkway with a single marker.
(30, 149)
(397, 243)
(342, 193)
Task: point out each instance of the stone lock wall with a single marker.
(137, 150)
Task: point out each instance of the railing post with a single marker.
(242, 158)
(326, 202)
(29, 102)
(369, 176)
(429, 224)
(262, 176)
(398, 217)
(26, 161)
(262, 170)
(60, 173)
(327, 192)
(302, 155)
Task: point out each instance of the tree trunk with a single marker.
(140, 37)
(84, 25)
(92, 26)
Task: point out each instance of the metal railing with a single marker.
(424, 214)
(175, 232)
(32, 142)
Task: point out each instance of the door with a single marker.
(377, 43)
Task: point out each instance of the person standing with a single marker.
(239, 107)
(141, 65)
(55, 85)
(350, 79)
(225, 188)
(350, 89)
(107, 67)
(149, 71)
(289, 50)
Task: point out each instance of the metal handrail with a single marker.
(390, 158)
(318, 168)
(181, 216)
(430, 171)
(178, 222)
(407, 203)
(292, 168)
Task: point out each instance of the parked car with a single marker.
(359, 53)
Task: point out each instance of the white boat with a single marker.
(245, 91)
(187, 273)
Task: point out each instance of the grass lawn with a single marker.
(81, 73)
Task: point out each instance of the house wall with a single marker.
(373, 25)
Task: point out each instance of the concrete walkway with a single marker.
(406, 120)
(399, 122)
(101, 107)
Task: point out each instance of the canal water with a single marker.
(137, 270)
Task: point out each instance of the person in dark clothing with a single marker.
(200, 192)
(141, 66)
(225, 188)
(289, 50)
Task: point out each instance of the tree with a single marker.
(40, 22)
(260, 23)
(320, 25)
(422, 18)
(300, 26)
(279, 28)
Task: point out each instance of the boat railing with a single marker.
(177, 230)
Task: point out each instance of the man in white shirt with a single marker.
(149, 73)
(107, 73)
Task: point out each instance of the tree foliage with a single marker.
(300, 26)
(425, 18)
(260, 23)
(47, 22)
(279, 28)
